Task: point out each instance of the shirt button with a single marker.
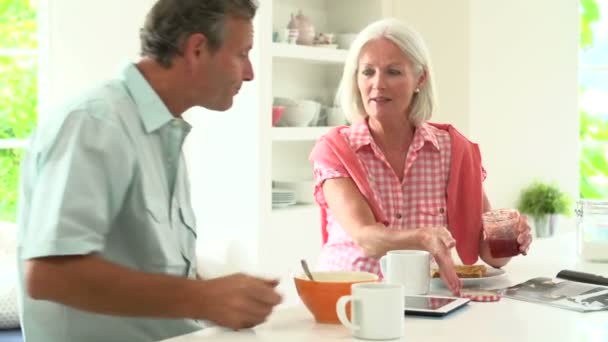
(441, 210)
(398, 216)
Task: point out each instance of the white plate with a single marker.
(283, 204)
(491, 274)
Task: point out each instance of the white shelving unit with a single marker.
(298, 133)
(308, 54)
(298, 208)
(239, 216)
(303, 72)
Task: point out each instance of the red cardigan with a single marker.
(464, 191)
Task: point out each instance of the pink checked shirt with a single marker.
(417, 201)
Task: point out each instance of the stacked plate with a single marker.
(302, 189)
(283, 198)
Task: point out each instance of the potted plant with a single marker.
(544, 202)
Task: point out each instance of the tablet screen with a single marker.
(426, 303)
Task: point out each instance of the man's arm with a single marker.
(93, 284)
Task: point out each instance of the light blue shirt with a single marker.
(105, 174)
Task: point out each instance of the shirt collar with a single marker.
(152, 110)
(425, 133)
(360, 136)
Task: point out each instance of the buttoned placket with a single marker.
(177, 134)
(409, 161)
(175, 141)
(173, 138)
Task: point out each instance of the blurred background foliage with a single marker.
(18, 92)
(593, 181)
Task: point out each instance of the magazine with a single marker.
(565, 294)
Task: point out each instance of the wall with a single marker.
(90, 40)
(507, 77)
(523, 96)
(444, 25)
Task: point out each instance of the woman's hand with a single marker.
(439, 242)
(524, 236)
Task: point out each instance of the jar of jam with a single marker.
(500, 228)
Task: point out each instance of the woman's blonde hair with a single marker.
(412, 45)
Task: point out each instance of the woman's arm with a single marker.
(354, 215)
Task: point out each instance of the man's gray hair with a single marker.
(170, 22)
(412, 45)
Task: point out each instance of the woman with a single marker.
(392, 180)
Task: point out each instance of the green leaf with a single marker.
(9, 181)
(544, 198)
(18, 96)
(590, 13)
(18, 26)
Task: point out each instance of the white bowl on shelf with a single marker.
(283, 101)
(345, 40)
(302, 113)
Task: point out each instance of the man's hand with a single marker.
(439, 242)
(237, 301)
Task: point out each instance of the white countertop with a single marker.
(507, 320)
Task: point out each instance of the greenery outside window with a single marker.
(593, 89)
(18, 93)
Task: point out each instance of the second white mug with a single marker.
(377, 311)
(411, 268)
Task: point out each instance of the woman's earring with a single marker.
(417, 90)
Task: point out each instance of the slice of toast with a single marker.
(466, 271)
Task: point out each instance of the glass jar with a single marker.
(592, 229)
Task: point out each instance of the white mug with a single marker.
(411, 268)
(377, 311)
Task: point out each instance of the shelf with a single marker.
(300, 208)
(298, 133)
(309, 53)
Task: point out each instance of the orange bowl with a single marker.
(320, 296)
(277, 113)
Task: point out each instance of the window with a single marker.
(18, 93)
(593, 88)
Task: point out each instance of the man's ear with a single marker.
(195, 46)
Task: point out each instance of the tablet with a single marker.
(431, 305)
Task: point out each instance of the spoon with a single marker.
(306, 270)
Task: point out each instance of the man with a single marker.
(106, 229)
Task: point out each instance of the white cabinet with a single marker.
(236, 155)
(305, 72)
